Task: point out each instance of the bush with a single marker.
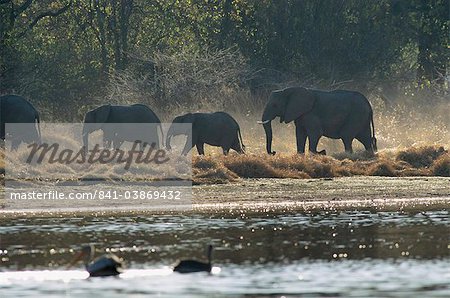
(422, 156)
(383, 168)
(252, 167)
(441, 166)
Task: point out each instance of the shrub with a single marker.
(441, 166)
(422, 156)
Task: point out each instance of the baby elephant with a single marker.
(215, 129)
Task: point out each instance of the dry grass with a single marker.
(421, 156)
(441, 166)
(216, 168)
(252, 166)
(422, 161)
(207, 170)
(382, 168)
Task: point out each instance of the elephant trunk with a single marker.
(267, 124)
(168, 137)
(268, 129)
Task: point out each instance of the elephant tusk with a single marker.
(263, 122)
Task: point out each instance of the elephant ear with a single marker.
(299, 101)
(102, 114)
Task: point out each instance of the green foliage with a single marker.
(65, 52)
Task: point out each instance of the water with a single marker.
(360, 253)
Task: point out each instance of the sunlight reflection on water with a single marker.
(351, 253)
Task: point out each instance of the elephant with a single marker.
(123, 123)
(215, 129)
(15, 109)
(338, 114)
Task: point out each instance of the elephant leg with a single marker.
(313, 129)
(313, 141)
(365, 137)
(2, 131)
(300, 134)
(227, 143)
(187, 147)
(366, 142)
(225, 150)
(189, 144)
(237, 146)
(152, 140)
(200, 148)
(348, 144)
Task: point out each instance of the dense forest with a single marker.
(74, 53)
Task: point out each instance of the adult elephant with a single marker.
(17, 110)
(123, 123)
(215, 129)
(338, 114)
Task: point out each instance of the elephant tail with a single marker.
(38, 123)
(240, 140)
(374, 140)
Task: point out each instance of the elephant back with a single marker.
(225, 117)
(151, 115)
(15, 104)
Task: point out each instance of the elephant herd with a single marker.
(339, 114)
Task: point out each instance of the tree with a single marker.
(17, 19)
(426, 24)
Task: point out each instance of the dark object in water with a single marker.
(191, 266)
(106, 265)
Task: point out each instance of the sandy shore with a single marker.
(264, 195)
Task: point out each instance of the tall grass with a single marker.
(216, 168)
(318, 166)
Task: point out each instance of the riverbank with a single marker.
(218, 169)
(415, 178)
(264, 195)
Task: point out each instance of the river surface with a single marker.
(315, 253)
